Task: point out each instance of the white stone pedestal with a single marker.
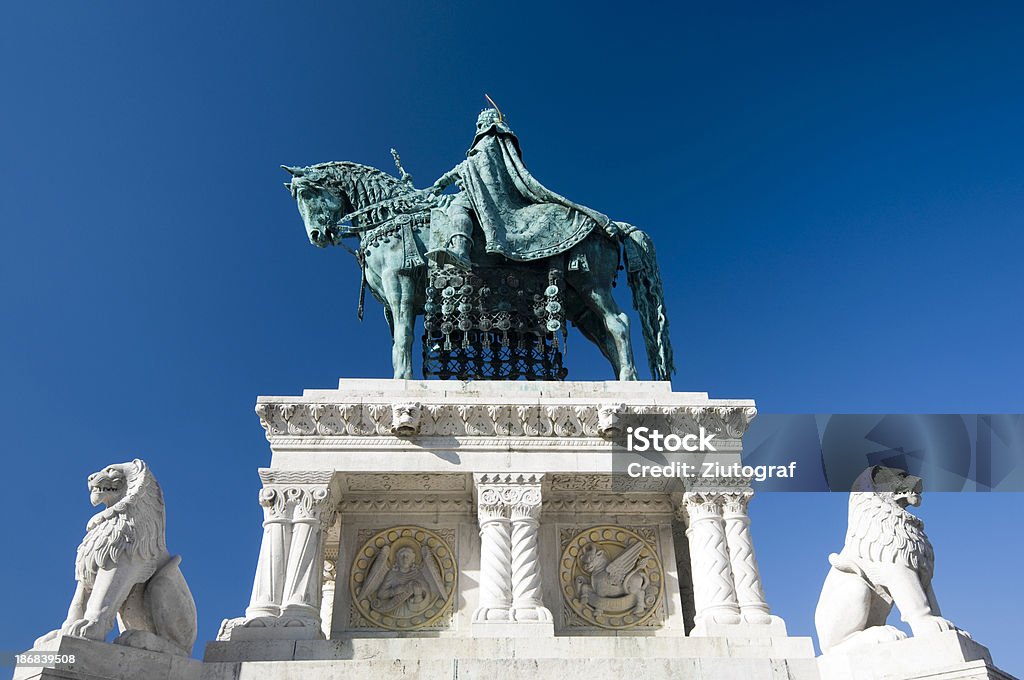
(104, 661)
(944, 656)
(500, 512)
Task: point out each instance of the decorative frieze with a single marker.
(611, 505)
(373, 481)
(569, 420)
(421, 504)
(577, 482)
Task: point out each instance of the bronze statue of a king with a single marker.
(495, 269)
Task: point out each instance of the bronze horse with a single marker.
(391, 218)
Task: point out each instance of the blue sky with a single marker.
(835, 192)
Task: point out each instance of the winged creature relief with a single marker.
(614, 585)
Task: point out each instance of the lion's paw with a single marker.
(930, 625)
(84, 628)
(869, 637)
(878, 634)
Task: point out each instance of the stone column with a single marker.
(495, 557)
(508, 507)
(268, 586)
(327, 601)
(298, 508)
(315, 511)
(681, 546)
(527, 600)
(714, 593)
(747, 578)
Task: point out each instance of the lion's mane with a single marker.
(132, 527)
(881, 531)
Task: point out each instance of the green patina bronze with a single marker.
(501, 218)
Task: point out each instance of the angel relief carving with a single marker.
(403, 578)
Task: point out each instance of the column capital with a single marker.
(508, 495)
(299, 495)
(736, 502)
(698, 505)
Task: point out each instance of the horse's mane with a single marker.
(364, 185)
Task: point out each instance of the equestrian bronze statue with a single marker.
(501, 258)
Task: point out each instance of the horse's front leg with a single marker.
(400, 294)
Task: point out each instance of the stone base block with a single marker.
(558, 658)
(90, 660)
(774, 628)
(274, 628)
(507, 629)
(945, 656)
(535, 669)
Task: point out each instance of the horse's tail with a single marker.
(649, 300)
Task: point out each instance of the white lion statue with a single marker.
(123, 569)
(887, 558)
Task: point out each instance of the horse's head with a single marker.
(321, 203)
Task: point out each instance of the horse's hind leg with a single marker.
(614, 325)
(595, 290)
(590, 326)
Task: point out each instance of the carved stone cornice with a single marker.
(317, 420)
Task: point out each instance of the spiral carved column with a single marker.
(508, 506)
(495, 558)
(714, 591)
(527, 600)
(747, 577)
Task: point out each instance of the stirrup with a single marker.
(442, 256)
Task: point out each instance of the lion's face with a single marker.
(110, 484)
(903, 487)
(593, 559)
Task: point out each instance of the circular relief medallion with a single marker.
(403, 578)
(611, 577)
